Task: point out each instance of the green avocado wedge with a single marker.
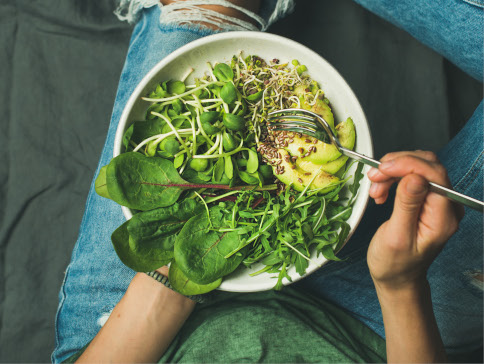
(319, 107)
(299, 178)
(345, 132)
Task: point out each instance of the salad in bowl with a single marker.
(211, 189)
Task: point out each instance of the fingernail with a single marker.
(374, 188)
(387, 165)
(372, 172)
(416, 188)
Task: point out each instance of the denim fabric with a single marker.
(453, 28)
(455, 31)
(96, 280)
(457, 301)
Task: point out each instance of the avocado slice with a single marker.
(324, 153)
(302, 148)
(320, 107)
(345, 131)
(299, 178)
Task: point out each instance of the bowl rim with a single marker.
(234, 35)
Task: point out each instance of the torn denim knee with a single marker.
(189, 12)
(475, 279)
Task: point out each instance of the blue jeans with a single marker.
(96, 280)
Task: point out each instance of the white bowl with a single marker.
(221, 48)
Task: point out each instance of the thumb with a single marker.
(410, 196)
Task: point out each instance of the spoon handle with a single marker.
(434, 187)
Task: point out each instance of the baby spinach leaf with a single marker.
(200, 252)
(182, 284)
(143, 183)
(141, 130)
(156, 229)
(100, 185)
(133, 260)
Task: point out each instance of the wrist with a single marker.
(158, 297)
(402, 293)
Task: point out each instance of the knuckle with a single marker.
(430, 156)
(388, 156)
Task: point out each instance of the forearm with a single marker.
(411, 331)
(142, 325)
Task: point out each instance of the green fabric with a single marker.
(272, 327)
(287, 326)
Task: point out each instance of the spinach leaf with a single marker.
(141, 130)
(154, 230)
(100, 185)
(143, 183)
(200, 252)
(181, 283)
(131, 258)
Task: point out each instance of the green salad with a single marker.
(213, 187)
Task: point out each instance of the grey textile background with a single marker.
(60, 65)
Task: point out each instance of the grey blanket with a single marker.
(60, 64)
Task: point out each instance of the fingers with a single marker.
(377, 175)
(404, 165)
(399, 164)
(409, 199)
(379, 191)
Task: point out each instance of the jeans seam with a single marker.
(63, 286)
(471, 174)
(61, 304)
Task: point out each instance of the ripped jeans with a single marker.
(96, 280)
